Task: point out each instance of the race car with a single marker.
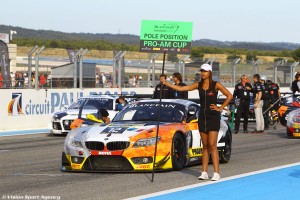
(128, 143)
(289, 115)
(62, 120)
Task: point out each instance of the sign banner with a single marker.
(71, 54)
(169, 36)
(4, 65)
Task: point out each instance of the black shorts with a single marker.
(212, 122)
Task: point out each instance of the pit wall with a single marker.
(24, 109)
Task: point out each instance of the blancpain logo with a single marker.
(106, 153)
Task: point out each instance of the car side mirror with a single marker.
(93, 118)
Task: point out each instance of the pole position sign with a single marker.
(166, 36)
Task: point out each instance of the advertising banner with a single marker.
(4, 65)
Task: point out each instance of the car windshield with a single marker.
(170, 112)
(91, 103)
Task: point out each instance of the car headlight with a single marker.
(77, 143)
(296, 119)
(145, 142)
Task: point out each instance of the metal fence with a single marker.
(126, 69)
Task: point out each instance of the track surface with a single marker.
(30, 165)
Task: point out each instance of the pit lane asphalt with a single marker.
(30, 165)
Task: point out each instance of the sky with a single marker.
(224, 20)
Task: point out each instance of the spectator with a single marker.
(130, 81)
(42, 80)
(12, 79)
(166, 91)
(19, 80)
(1, 80)
(104, 80)
(177, 78)
(25, 79)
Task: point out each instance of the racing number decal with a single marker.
(114, 130)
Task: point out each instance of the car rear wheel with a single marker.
(225, 153)
(178, 152)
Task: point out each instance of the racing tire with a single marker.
(178, 152)
(225, 153)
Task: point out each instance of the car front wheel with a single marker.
(178, 152)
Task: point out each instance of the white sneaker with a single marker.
(216, 177)
(204, 176)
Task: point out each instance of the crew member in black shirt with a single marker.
(268, 101)
(242, 94)
(177, 78)
(275, 92)
(166, 91)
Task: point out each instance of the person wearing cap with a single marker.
(177, 78)
(268, 101)
(166, 91)
(209, 116)
(241, 94)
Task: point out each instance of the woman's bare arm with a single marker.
(220, 87)
(182, 88)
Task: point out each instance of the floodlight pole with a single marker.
(80, 67)
(37, 58)
(275, 70)
(116, 57)
(30, 64)
(294, 65)
(158, 118)
(75, 67)
(151, 65)
(235, 62)
(255, 65)
(120, 69)
(182, 66)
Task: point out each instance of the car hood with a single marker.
(116, 132)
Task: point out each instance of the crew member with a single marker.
(209, 116)
(121, 103)
(166, 91)
(104, 116)
(177, 78)
(268, 101)
(258, 104)
(242, 94)
(275, 92)
(295, 87)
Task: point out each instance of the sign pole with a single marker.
(158, 118)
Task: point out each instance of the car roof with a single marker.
(97, 96)
(178, 101)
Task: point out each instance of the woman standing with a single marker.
(209, 116)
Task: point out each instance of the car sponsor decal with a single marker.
(195, 152)
(114, 130)
(106, 153)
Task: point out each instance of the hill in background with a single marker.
(134, 39)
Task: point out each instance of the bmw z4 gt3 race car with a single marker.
(128, 143)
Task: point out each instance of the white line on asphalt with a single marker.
(210, 182)
(4, 150)
(51, 175)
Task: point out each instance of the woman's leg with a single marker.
(205, 153)
(212, 143)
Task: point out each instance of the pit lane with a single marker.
(30, 165)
